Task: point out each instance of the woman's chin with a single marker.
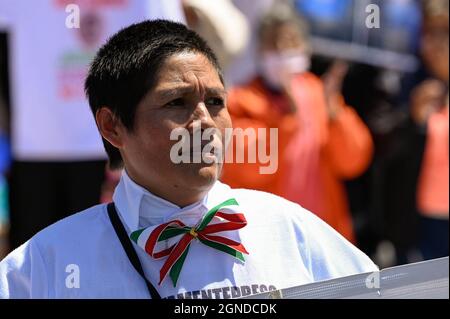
(205, 175)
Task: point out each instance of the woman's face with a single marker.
(188, 89)
(283, 53)
(282, 37)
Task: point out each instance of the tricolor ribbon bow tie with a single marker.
(147, 238)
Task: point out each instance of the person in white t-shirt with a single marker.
(58, 157)
(173, 230)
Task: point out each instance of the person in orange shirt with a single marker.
(430, 112)
(321, 140)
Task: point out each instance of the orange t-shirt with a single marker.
(314, 153)
(433, 187)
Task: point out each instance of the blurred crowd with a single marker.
(362, 114)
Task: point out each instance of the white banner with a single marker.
(423, 280)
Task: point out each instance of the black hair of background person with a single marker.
(125, 68)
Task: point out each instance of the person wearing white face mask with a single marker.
(275, 67)
(321, 140)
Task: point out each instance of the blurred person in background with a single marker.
(58, 158)
(321, 140)
(415, 164)
(430, 111)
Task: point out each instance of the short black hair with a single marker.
(127, 66)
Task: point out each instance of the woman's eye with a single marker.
(176, 102)
(216, 101)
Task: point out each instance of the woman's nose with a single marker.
(202, 114)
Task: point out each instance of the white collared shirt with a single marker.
(81, 256)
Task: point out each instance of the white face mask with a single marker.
(276, 66)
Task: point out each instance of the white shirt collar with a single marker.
(140, 208)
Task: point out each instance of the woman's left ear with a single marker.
(109, 126)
